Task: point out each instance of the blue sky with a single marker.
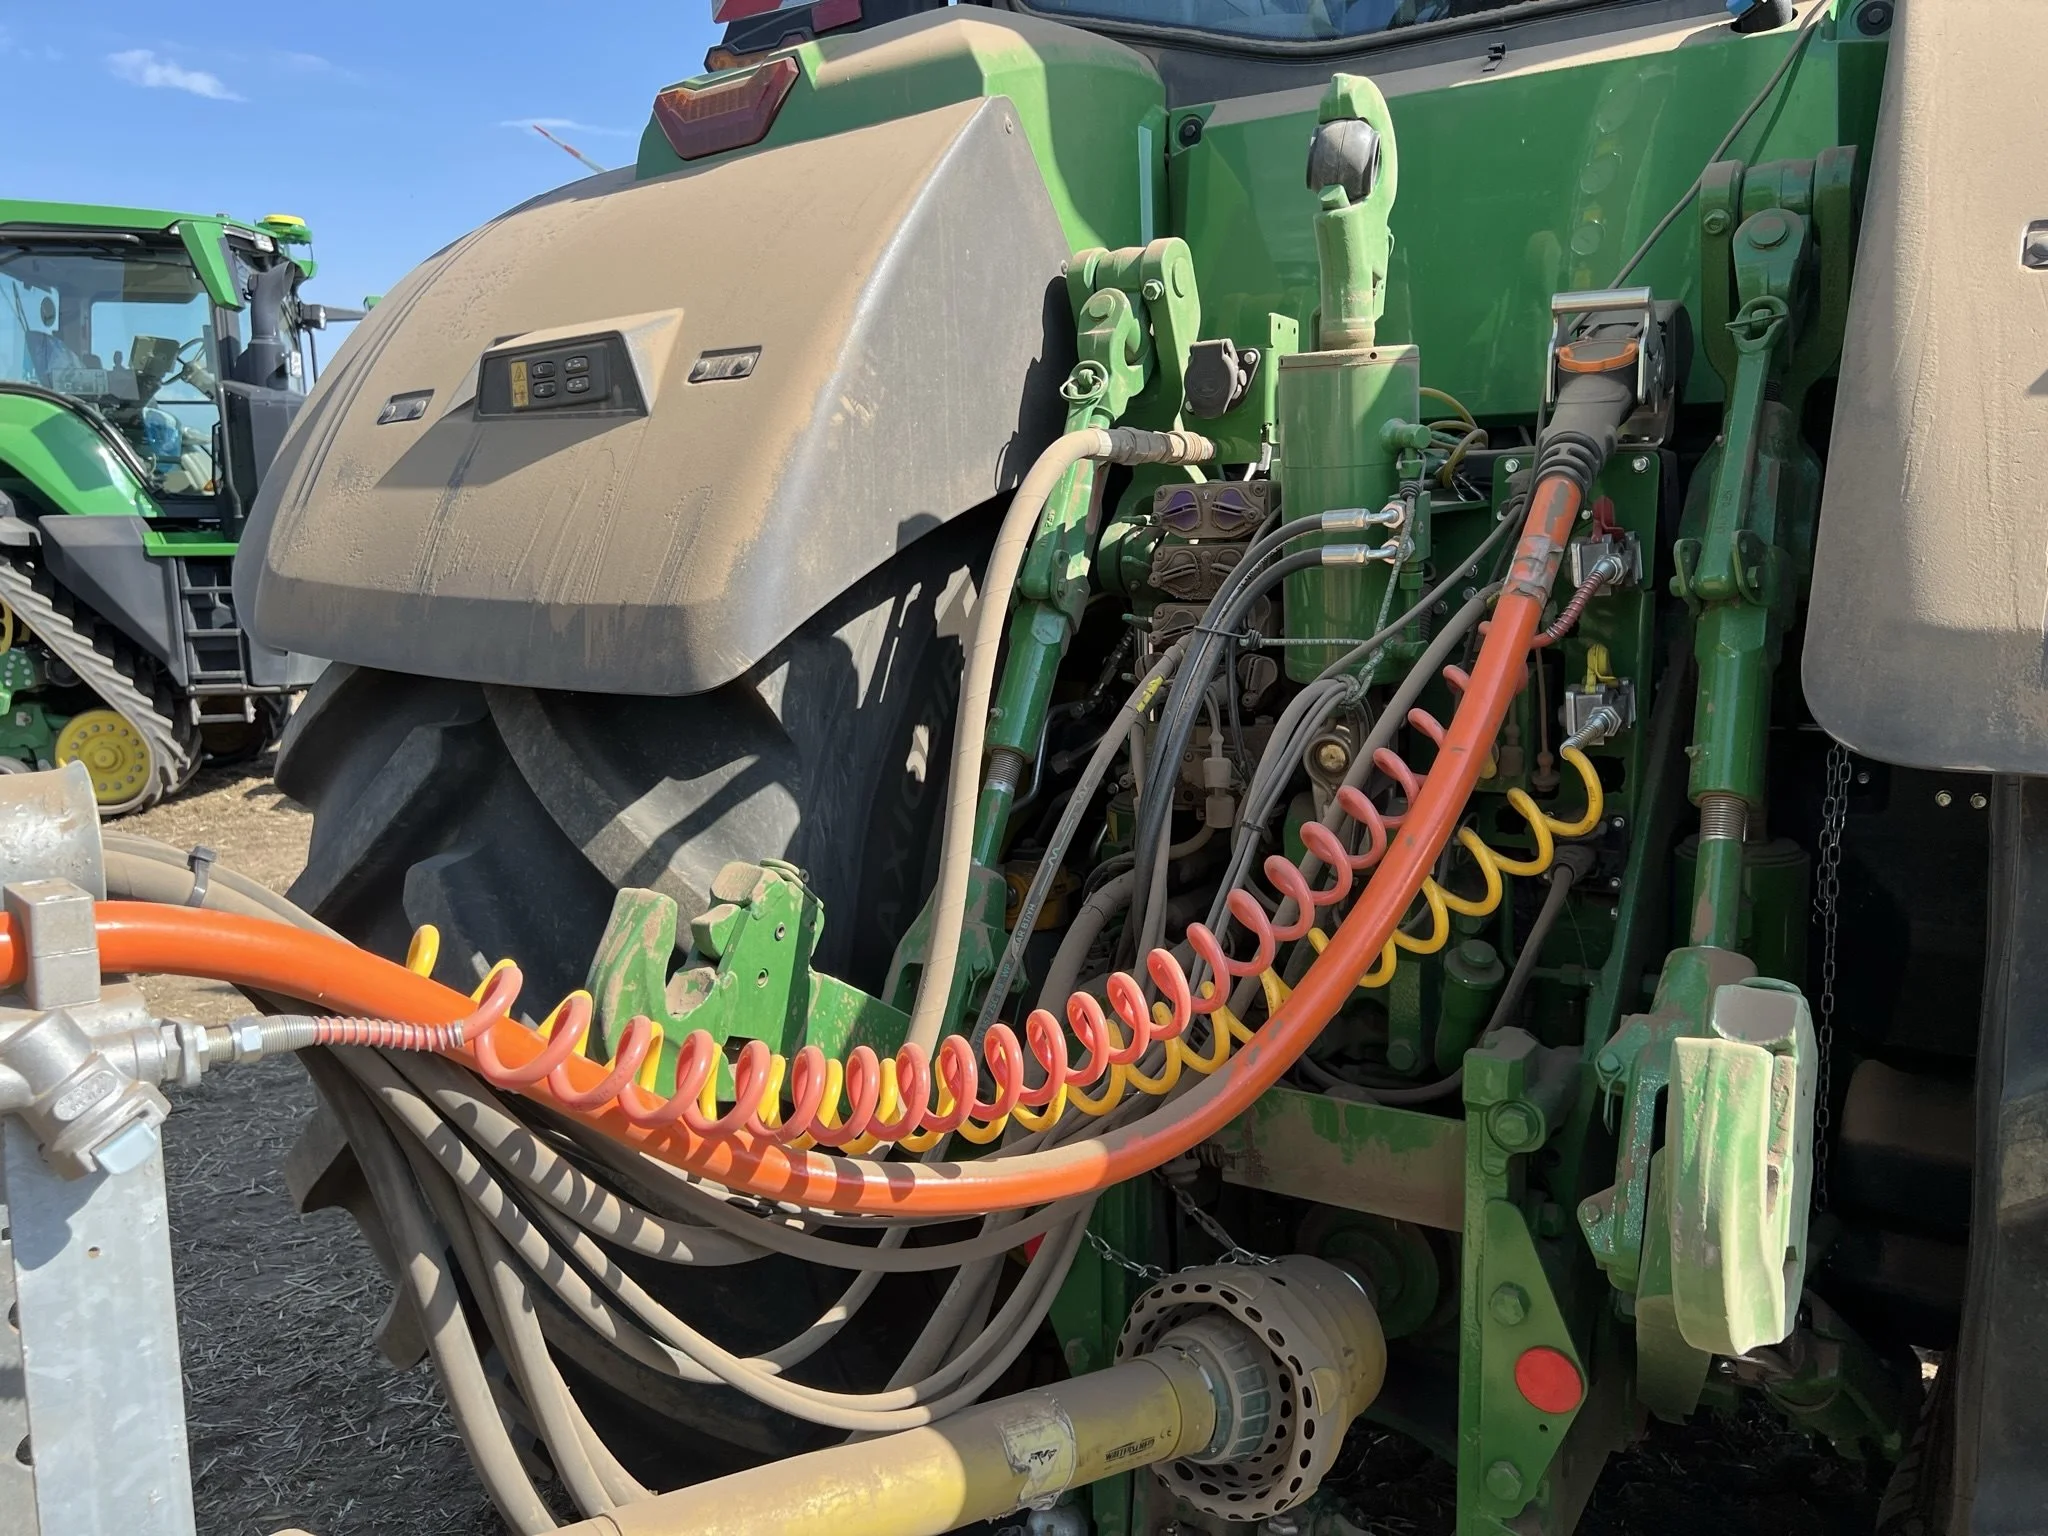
(390, 128)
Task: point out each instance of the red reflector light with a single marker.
(1549, 1380)
(727, 114)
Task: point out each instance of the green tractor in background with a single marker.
(150, 363)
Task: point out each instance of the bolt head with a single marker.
(1515, 1125)
(1401, 1056)
(1609, 1062)
(1511, 465)
(1190, 132)
(1618, 823)
(1331, 757)
(1640, 463)
(1716, 223)
(1504, 1480)
(1978, 802)
(1510, 1304)
(1153, 290)
(1944, 799)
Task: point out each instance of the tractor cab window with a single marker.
(1284, 21)
(126, 331)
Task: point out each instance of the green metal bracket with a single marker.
(1516, 1349)
(1250, 425)
(1822, 191)
(18, 674)
(750, 975)
(1414, 999)
(1636, 1064)
(1161, 278)
(981, 942)
(1376, 1158)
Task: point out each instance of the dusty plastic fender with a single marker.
(902, 284)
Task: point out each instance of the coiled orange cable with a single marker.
(335, 975)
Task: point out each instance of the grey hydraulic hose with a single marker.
(1419, 677)
(1117, 445)
(1055, 854)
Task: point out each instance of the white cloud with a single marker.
(140, 66)
(564, 125)
(313, 64)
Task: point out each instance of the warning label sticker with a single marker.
(1038, 1442)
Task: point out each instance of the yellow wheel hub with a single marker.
(113, 751)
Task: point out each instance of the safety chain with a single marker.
(1109, 1255)
(1233, 1253)
(1834, 811)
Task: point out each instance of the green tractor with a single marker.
(150, 364)
(1283, 760)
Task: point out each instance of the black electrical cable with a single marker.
(1806, 30)
(1184, 705)
(1563, 875)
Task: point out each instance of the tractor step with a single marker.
(216, 659)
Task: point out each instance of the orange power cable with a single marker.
(334, 975)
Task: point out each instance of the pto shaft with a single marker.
(973, 1466)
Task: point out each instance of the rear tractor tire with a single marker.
(508, 818)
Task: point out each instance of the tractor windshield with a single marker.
(1283, 21)
(126, 329)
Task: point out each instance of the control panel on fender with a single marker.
(589, 375)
